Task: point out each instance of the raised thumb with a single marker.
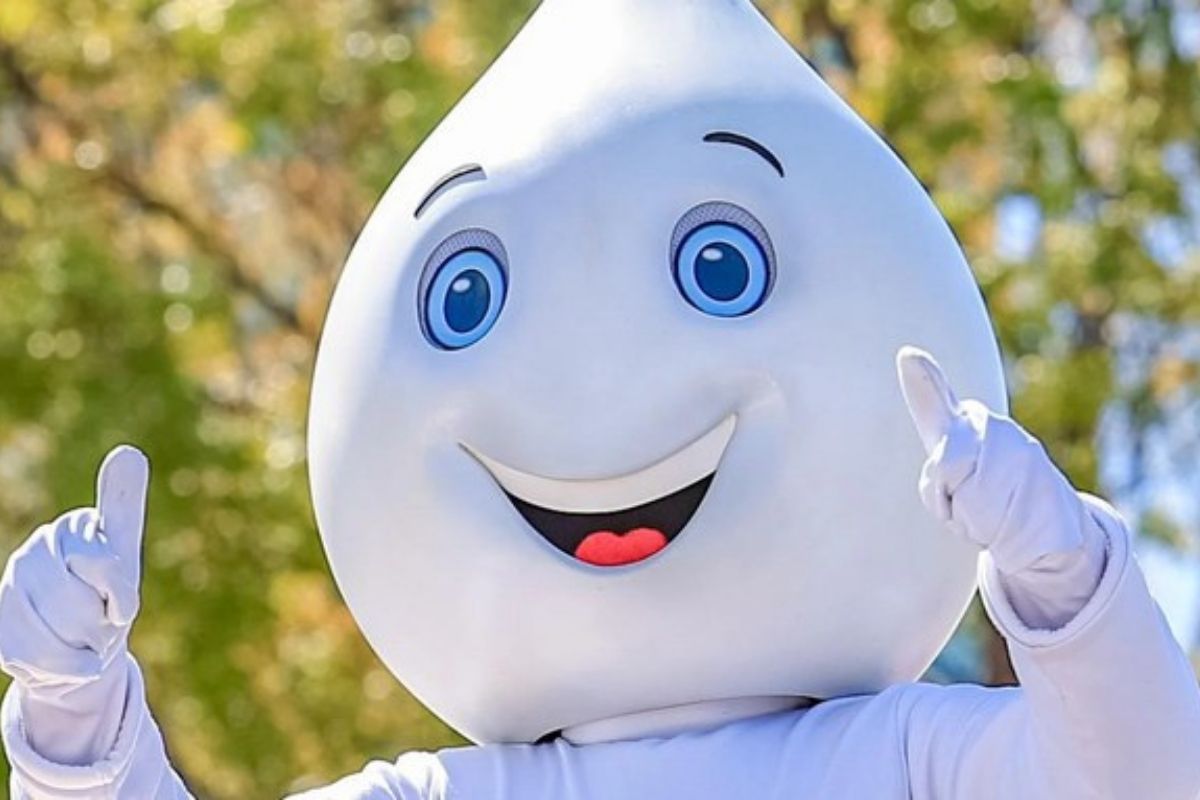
(121, 488)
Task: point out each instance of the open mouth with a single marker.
(611, 522)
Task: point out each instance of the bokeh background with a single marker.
(180, 182)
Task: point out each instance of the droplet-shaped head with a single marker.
(605, 417)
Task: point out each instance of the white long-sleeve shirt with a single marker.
(1108, 708)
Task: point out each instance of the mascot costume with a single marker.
(612, 466)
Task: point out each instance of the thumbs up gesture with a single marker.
(69, 594)
(987, 478)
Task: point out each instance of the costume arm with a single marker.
(1108, 705)
(414, 776)
(134, 767)
(74, 721)
(1111, 689)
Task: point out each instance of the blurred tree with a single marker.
(180, 180)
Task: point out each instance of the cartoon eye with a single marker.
(466, 282)
(723, 260)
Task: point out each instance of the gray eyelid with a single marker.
(728, 213)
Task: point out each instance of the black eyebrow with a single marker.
(729, 137)
(465, 171)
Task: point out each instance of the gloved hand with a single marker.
(68, 597)
(994, 484)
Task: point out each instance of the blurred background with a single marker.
(180, 182)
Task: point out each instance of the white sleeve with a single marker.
(414, 776)
(136, 768)
(1108, 706)
(1049, 593)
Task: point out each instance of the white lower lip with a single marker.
(694, 462)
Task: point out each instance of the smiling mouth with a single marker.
(612, 522)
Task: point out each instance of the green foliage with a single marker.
(180, 180)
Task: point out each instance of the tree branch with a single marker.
(124, 180)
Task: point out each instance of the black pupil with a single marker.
(467, 302)
(721, 271)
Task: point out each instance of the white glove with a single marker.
(67, 600)
(993, 483)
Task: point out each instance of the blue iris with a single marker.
(722, 270)
(464, 299)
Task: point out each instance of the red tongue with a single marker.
(608, 549)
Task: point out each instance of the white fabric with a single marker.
(992, 482)
(1108, 705)
(134, 768)
(75, 722)
(57, 641)
(1108, 708)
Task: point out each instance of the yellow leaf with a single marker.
(16, 18)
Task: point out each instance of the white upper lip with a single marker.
(686, 466)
